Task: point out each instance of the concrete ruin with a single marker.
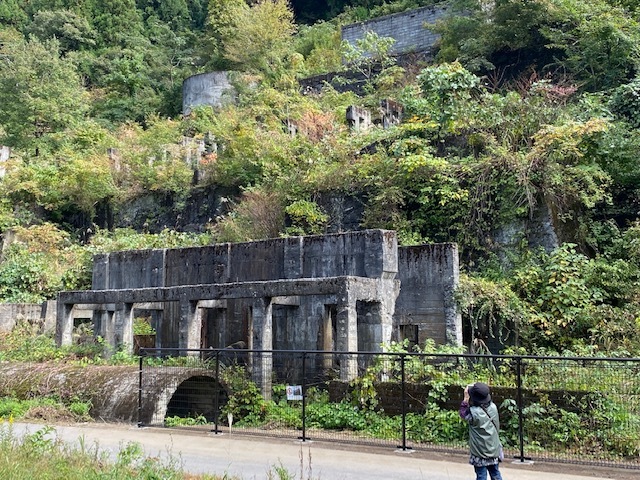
(5, 153)
(210, 89)
(409, 29)
(348, 292)
(358, 118)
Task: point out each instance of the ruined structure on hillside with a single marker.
(210, 89)
(408, 29)
(346, 292)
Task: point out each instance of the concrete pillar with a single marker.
(391, 290)
(190, 329)
(451, 279)
(347, 335)
(123, 327)
(108, 326)
(262, 336)
(50, 312)
(64, 324)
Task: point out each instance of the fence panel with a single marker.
(582, 410)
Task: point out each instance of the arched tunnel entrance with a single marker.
(197, 396)
(179, 392)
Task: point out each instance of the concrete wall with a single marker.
(129, 269)
(407, 28)
(212, 89)
(370, 253)
(428, 276)
(41, 314)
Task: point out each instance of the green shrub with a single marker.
(245, 402)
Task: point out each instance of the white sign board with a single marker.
(294, 392)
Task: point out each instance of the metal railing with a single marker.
(568, 409)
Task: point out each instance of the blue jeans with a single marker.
(481, 472)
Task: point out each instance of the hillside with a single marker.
(519, 142)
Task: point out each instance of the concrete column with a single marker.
(123, 327)
(190, 329)
(108, 327)
(451, 279)
(64, 325)
(262, 334)
(347, 335)
(391, 290)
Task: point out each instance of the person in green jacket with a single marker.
(484, 424)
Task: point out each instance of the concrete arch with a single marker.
(114, 390)
(179, 391)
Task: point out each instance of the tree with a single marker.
(599, 43)
(72, 31)
(12, 13)
(117, 21)
(369, 56)
(173, 12)
(256, 37)
(592, 42)
(40, 92)
(221, 19)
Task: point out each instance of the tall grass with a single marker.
(40, 455)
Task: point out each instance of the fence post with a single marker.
(140, 388)
(520, 407)
(404, 404)
(216, 400)
(304, 396)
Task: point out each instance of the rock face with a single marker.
(155, 212)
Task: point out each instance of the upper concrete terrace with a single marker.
(369, 253)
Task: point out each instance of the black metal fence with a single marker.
(569, 409)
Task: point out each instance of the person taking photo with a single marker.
(481, 414)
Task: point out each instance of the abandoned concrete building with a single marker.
(345, 292)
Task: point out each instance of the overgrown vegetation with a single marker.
(519, 143)
(41, 455)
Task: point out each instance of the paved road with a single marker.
(249, 458)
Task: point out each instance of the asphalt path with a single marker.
(248, 457)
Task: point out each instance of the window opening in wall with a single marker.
(285, 327)
(369, 326)
(248, 326)
(212, 327)
(83, 330)
(410, 333)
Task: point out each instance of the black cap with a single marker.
(479, 393)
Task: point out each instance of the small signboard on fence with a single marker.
(294, 392)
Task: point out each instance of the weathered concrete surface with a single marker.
(212, 89)
(428, 277)
(112, 390)
(5, 153)
(41, 314)
(408, 29)
(218, 285)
